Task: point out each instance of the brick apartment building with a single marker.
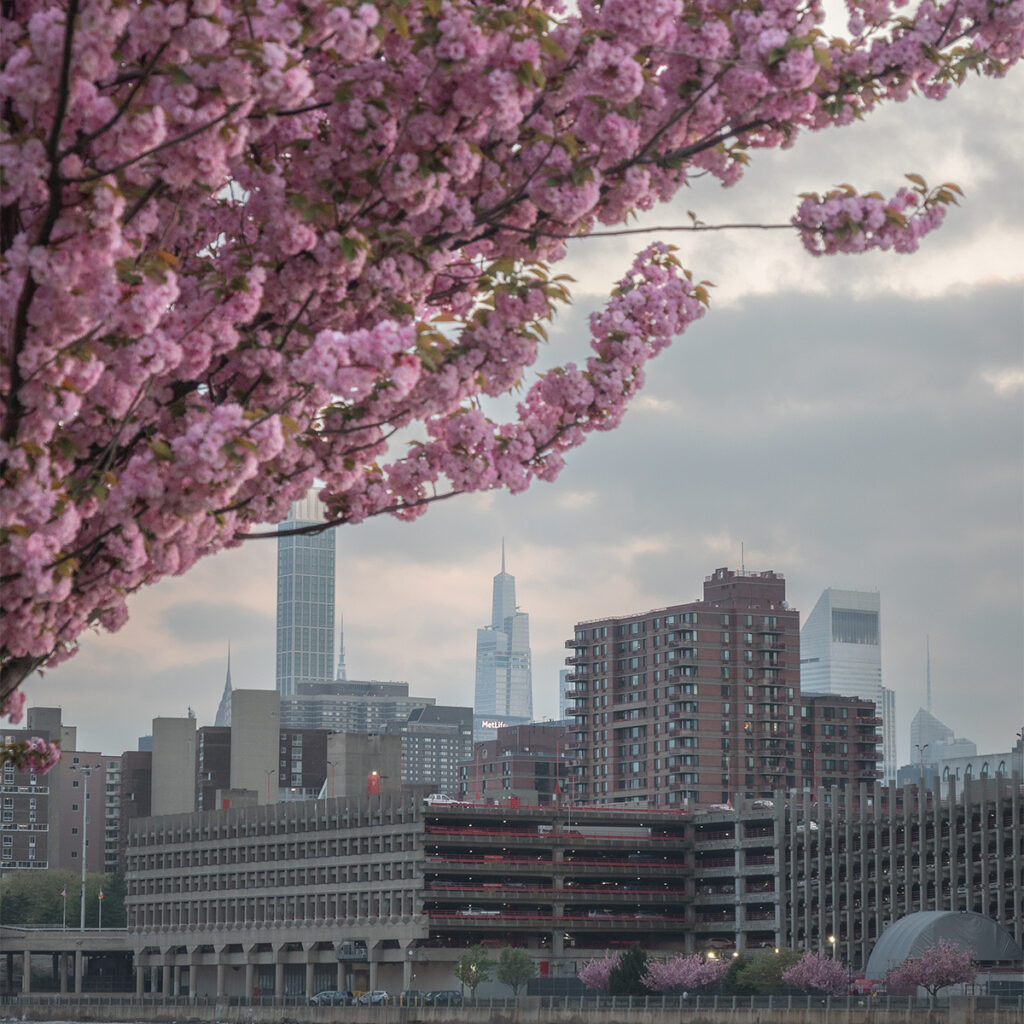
(700, 703)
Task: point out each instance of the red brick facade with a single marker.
(700, 703)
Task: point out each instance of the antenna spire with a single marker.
(503, 555)
(928, 673)
(342, 674)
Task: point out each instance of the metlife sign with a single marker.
(486, 727)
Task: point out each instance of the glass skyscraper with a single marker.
(504, 672)
(841, 654)
(305, 600)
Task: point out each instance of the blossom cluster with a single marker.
(31, 754)
(684, 973)
(596, 973)
(844, 221)
(244, 245)
(819, 972)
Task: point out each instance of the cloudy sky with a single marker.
(854, 422)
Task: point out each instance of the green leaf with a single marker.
(161, 449)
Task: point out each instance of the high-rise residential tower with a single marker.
(504, 674)
(305, 599)
(841, 655)
(700, 703)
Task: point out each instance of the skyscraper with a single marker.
(841, 655)
(504, 674)
(305, 599)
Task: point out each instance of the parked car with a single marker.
(443, 997)
(375, 998)
(332, 997)
(434, 799)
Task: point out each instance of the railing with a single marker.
(723, 1004)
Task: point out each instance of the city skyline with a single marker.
(850, 422)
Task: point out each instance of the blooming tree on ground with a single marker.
(684, 973)
(250, 246)
(596, 973)
(937, 967)
(819, 972)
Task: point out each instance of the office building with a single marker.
(841, 654)
(174, 766)
(435, 739)
(504, 673)
(305, 599)
(349, 705)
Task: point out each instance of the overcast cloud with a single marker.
(852, 422)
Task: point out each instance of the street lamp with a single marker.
(832, 943)
(332, 765)
(99, 904)
(269, 772)
(86, 770)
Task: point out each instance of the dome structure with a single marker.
(910, 936)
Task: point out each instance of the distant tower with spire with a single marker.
(224, 708)
(342, 672)
(504, 671)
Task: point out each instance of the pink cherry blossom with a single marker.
(244, 245)
(819, 972)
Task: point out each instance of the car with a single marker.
(440, 799)
(763, 805)
(444, 997)
(478, 912)
(332, 997)
(375, 998)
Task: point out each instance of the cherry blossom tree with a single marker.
(819, 972)
(937, 967)
(597, 973)
(684, 973)
(252, 246)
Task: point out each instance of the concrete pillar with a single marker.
(26, 972)
(220, 975)
(309, 976)
(176, 980)
(79, 971)
(407, 972)
(279, 978)
(341, 975)
(250, 975)
(165, 977)
(557, 944)
(154, 977)
(140, 975)
(62, 967)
